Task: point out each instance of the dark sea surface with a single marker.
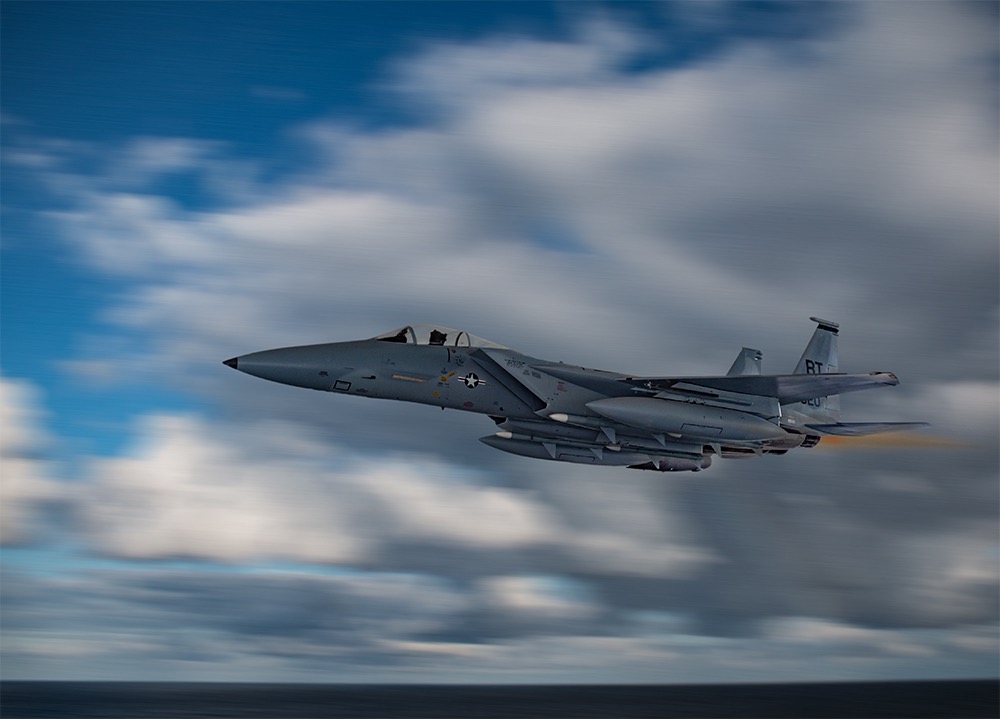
(80, 700)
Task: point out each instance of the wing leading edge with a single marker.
(786, 388)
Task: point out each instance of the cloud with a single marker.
(538, 598)
(445, 75)
(190, 492)
(724, 191)
(28, 489)
(269, 492)
(272, 492)
(553, 198)
(114, 619)
(806, 631)
(109, 623)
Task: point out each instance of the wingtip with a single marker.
(890, 378)
(826, 325)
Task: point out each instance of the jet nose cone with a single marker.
(307, 366)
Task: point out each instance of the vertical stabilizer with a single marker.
(819, 357)
(748, 362)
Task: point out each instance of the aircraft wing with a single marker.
(787, 388)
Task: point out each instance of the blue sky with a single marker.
(638, 186)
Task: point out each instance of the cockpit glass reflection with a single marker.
(435, 335)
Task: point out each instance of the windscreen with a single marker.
(435, 335)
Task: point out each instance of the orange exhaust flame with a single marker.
(892, 441)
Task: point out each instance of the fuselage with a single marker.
(437, 375)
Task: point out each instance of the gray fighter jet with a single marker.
(557, 411)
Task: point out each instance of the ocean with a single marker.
(128, 700)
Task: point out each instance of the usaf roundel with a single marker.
(472, 380)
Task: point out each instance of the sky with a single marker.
(642, 187)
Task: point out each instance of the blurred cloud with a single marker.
(270, 491)
(309, 626)
(27, 487)
(745, 182)
(553, 197)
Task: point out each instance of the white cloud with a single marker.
(110, 624)
(190, 492)
(20, 415)
(148, 158)
(693, 199)
(26, 482)
(836, 636)
(648, 222)
(951, 577)
(274, 491)
(963, 410)
(447, 74)
(182, 496)
(666, 186)
(537, 598)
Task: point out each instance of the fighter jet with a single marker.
(567, 413)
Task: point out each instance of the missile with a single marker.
(687, 419)
(553, 432)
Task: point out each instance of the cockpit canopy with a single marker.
(435, 335)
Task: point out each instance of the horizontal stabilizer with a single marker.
(862, 429)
